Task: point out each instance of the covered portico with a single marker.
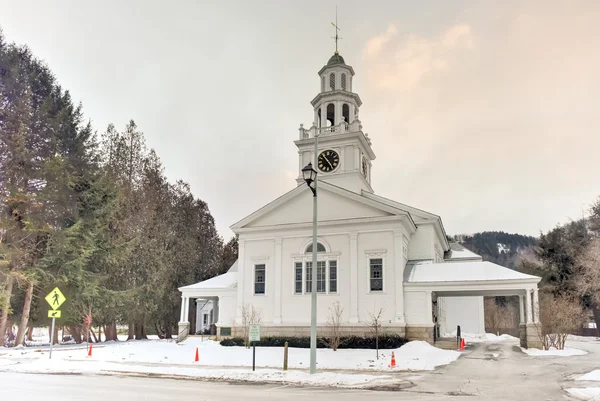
(476, 279)
(221, 290)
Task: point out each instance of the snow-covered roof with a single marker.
(233, 267)
(459, 252)
(427, 272)
(223, 281)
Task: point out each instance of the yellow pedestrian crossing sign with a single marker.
(55, 299)
(54, 313)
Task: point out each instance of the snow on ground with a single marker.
(415, 355)
(554, 352)
(585, 393)
(167, 357)
(592, 376)
(586, 339)
(260, 375)
(482, 338)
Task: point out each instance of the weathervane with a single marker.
(336, 37)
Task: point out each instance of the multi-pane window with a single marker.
(376, 274)
(326, 277)
(332, 276)
(321, 276)
(320, 248)
(298, 277)
(259, 279)
(332, 80)
(308, 281)
(344, 81)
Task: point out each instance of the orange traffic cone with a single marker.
(393, 364)
(90, 351)
(197, 356)
(462, 344)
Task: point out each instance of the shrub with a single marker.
(386, 341)
(232, 342)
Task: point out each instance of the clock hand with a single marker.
(328, 162)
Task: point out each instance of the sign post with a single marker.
(254, 336)
(55, 299)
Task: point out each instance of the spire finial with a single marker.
(336, 37)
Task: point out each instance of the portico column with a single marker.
(353, 278)
(528, 306)
(399, 276)
(216, 310)
(182, 308)
(186, 313)
(521, 312)
(536, 306)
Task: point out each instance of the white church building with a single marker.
(373, 253)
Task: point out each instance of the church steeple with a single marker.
(345, 152)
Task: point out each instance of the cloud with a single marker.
(401, 63)
(491, 131)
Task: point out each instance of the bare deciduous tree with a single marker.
(374, 323)
(333, 332)
(587, 279)
(498, 317)
(250, 316)
(559, 316)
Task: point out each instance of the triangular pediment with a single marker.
(334, 204)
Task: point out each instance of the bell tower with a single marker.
(344, 151)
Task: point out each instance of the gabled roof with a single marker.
(323, 186)
(427, 272)
(222, 282)
(430, 217)
(459, 253)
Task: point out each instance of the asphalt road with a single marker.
(486, 372)
(108, 388)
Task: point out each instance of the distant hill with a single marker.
(499, 247)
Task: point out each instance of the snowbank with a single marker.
(592, 376)
(415, 355)
(585, 393)
(554, 352)
(482, 338)
(261, 375)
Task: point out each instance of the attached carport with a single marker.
(472, 279)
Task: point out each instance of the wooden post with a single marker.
(285, 356)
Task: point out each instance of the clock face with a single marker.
(364, 166)
(328, 160)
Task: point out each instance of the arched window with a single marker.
(320, 248)
(346, 112)
(332, 80)
(323, 83)
(344, 81)
(331, 114)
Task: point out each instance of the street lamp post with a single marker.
(310, 176)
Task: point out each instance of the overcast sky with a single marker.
(484, 112)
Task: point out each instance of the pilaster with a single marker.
(399, 276)
(353, 278)
(277, 276)
(240, 280)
